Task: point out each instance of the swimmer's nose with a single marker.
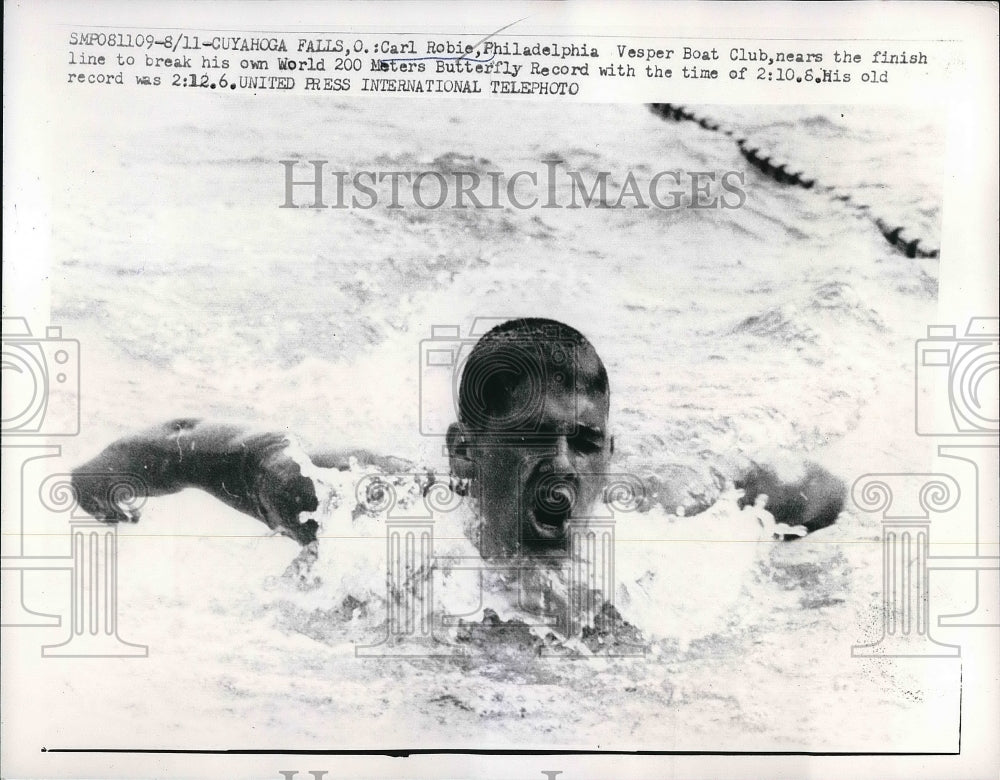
(561, 461)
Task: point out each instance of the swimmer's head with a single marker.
(532, 432)
(761, 500)
(509, 370)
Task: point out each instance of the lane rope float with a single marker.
(897, 235)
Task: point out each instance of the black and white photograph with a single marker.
(421, 406)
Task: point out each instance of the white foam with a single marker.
(681, 577)
(675, 577)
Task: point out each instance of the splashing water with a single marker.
(656, 566)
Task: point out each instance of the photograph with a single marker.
(413, 420)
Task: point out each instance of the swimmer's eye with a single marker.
(586, 443)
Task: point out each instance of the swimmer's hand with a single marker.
(808, 497)
(279, 492)
(109, 497)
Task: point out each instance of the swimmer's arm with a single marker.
(247, 470)
(251, 471)
(167, 458)
(806, 502)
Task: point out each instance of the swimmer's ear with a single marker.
(459, 458)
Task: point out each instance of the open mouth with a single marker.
(551, 507)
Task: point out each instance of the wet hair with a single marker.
(539, 351)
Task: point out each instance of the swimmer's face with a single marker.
(531, 485)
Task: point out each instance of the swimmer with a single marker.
(531, 445)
